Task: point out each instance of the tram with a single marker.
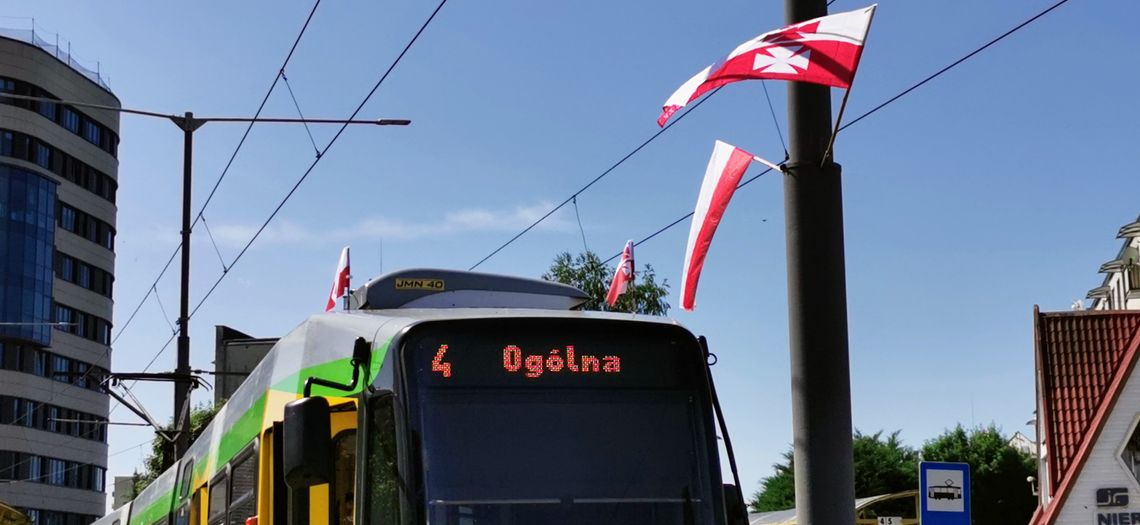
(447, 397)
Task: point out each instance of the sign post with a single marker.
(944, 493)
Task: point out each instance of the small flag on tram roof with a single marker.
(623, 276)
(823, 50)
(723, 174)
(340, 281)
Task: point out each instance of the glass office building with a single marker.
(58, 183)
(27, 233)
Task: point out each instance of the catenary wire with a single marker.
(213, 241)
(775, 121)
(880, 106)
(225, 170)
(316, 161)
(578, 216)
(609, 170)
(297, 105)
(686, 216)
(955, 63)
(165, 316)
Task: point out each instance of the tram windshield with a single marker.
(567, 421)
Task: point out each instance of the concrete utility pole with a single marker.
(817, 304)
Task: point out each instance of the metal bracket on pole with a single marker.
(133, 404)
(187, 123)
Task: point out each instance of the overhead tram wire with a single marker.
(955, 63)
(686, 216)
(882, 105)
(596, 179)
(214, 189)
(241, 142)
(607, 172)
(316, 161)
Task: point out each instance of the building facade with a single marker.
(1088, 405)
(58, 180)
(1088, 400)
(1121, 287)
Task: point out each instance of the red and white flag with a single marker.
(822, 50)
(340, 282)
(623, 276)
(723, 174)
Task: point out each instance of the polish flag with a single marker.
(822, 50)
(723, 174)
(340, 282)
(623, 276)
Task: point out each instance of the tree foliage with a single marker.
(998, 490)
(882, 466)
(778, 491)
(161, 449)
(586, 271)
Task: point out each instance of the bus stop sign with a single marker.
(945, 493)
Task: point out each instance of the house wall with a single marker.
(1105, 469)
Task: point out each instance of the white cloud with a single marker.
(471, 220)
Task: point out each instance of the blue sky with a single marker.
(996, 187)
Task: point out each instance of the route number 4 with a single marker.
(438, 364)
(890, 520)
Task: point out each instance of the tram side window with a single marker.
(344, 472)
(187, 471)
(218, 500)
(182, 516)
(243, 487)
(383, 476)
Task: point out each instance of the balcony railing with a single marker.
(53, 47)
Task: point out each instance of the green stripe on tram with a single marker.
(249, 424)
(154, 512)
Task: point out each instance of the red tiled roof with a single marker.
(1083, 359)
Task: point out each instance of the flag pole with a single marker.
(348, 279)
(838, 119)
(768, 163)
(847, 93)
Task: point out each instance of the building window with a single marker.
(66, 116)
(1131, 452)
(91, 132)
(84, 276)
(23, 147)
(67, 219)
(86, 226)
(67, 268)
(47, 109)
(70, 120)
(42, 155)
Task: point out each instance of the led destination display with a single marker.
(540, 353)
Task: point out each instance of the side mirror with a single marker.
(734, 507)
(307, 447)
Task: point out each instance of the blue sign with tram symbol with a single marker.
(945, 493)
